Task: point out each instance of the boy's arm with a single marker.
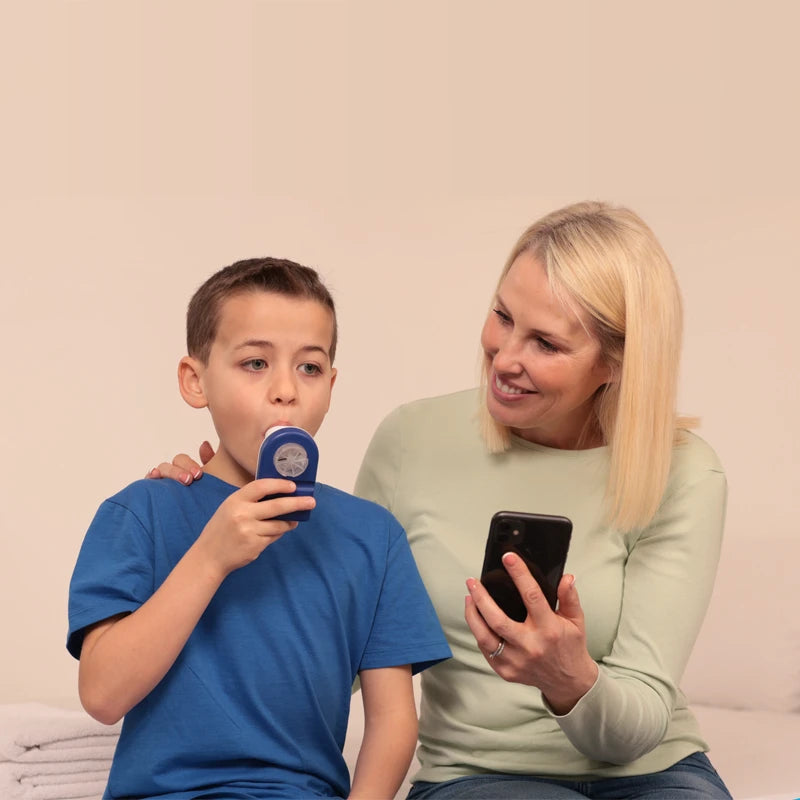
(124, 657)
(390, 733)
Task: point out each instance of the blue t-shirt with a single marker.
(258, 700)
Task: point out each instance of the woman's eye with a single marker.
(548, 347)
(310, 369)
(502, 316)
(255, 364)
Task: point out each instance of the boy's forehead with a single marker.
(261, 314)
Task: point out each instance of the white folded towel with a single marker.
(37, 732)
(98, 776)
(65, 781)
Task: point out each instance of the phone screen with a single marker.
(540, 540)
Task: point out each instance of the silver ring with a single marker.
(501, 645)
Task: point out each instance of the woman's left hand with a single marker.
(547, 650)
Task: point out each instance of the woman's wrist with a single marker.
(563, 698)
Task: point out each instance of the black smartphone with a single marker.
(540, 540)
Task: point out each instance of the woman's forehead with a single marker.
(528, 292)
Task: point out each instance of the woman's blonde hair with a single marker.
(606, 263)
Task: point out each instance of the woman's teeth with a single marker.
(505, 388)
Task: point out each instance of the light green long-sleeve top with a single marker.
(644, 595)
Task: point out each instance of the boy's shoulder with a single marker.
(333, 499)
(147, 495)
(337, 506)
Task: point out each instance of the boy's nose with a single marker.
(282, 388)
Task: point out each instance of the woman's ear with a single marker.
(190, 373)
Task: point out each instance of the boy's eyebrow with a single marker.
(307, 348)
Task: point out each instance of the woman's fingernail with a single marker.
(197, 473)
(187, 479)
(471, 583)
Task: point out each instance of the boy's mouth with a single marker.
(279, 422)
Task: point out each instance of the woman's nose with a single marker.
(506, 357)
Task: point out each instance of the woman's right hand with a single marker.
(548, 650)
(183, 467)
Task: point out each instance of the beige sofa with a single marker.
(743, 679)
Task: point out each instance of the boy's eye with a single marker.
(255, 364)
(310, 369)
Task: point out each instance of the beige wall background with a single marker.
(400, 148)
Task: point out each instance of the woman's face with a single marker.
(543, 366)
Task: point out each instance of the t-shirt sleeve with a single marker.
(405, 629)
(113, 573)
(668, 582)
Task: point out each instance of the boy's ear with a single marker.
(334, 373)
(190, 372)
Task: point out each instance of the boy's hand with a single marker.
(243, 525)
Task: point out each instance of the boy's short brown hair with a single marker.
(276, 275)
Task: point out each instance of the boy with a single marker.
(228, 639)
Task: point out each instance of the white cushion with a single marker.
(755, 752)
(748, 651)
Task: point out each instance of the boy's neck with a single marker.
(228, 471)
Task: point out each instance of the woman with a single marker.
(575, 417)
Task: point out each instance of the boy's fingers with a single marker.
(278, 506)
(257, 489)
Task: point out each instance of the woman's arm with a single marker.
(390, 733)
(624, 713)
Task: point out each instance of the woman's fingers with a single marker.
(183, 467)
(486, 638)
(532, 595)
(206, 452)
(175, 472)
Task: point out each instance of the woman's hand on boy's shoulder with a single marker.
(183, 467)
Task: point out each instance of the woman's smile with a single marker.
(508, 391)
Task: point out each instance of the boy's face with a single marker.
(268, 365)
